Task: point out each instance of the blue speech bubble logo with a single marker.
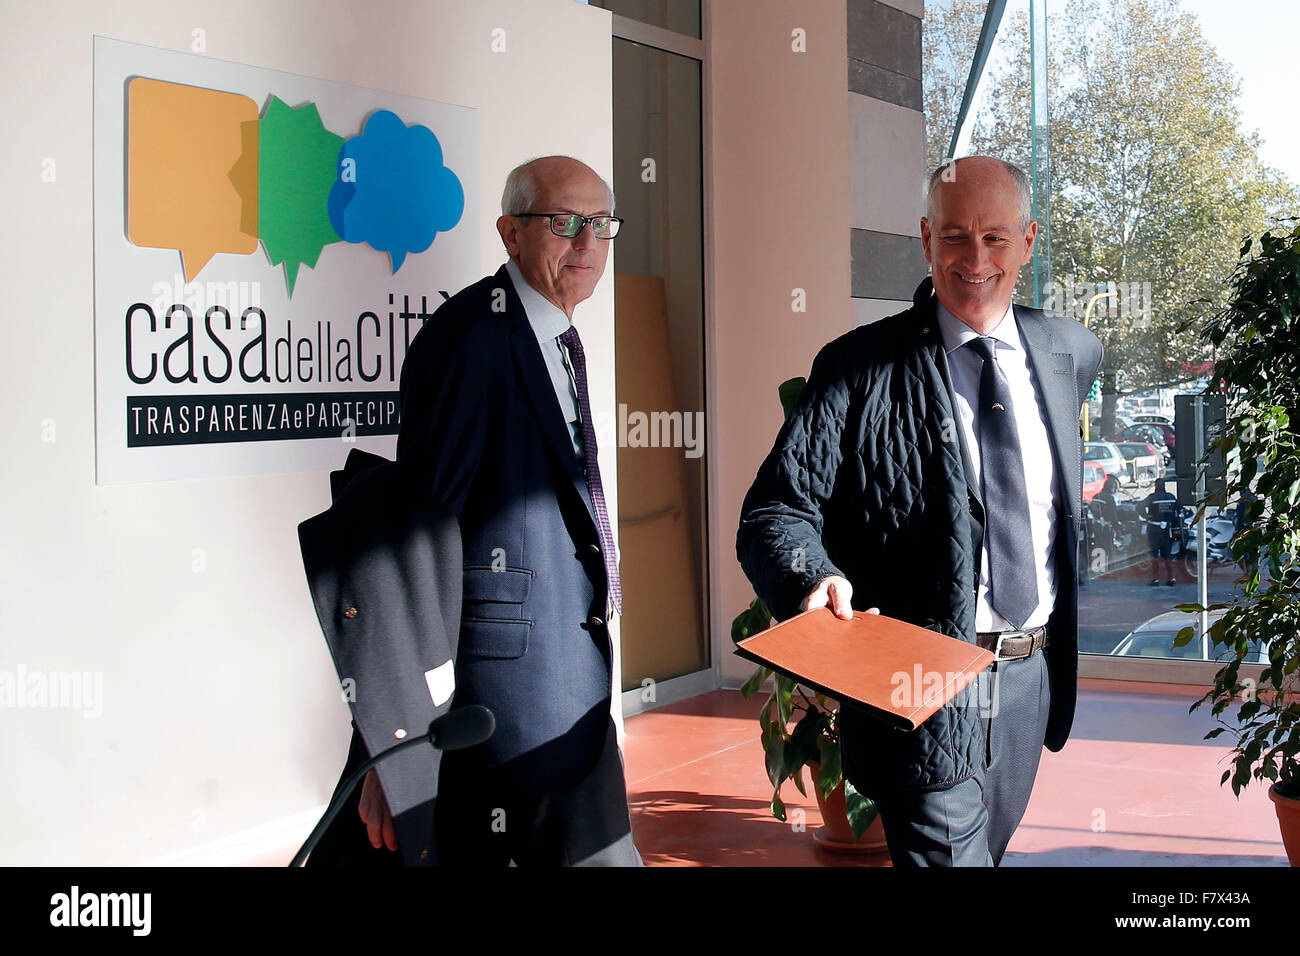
(393, 190)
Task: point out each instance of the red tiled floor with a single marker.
(1136, 785)
(699, 794)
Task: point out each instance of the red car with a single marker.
(1094, 480)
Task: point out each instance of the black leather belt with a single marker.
(1013, 645)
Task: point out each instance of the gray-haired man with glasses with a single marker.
(497, 428)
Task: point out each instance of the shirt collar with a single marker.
(548, 320)
(957, 333)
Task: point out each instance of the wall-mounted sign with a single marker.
(266, 247)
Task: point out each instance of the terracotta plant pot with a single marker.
(836, 833)
(1288, 818)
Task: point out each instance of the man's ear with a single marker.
(925, 238)
(1030, 234)
(508, 227)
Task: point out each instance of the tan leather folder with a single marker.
(900, 672)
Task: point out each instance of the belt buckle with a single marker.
(997, 648)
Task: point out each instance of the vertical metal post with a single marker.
(988, 31)
(1202, 555)
(1191, 417)
(1041, 148)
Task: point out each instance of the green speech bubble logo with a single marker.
(296, 168)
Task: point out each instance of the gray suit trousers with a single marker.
(971, 823)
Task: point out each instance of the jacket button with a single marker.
(350, 613)
(594, 621)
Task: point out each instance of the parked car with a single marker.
(1094, 480)
(1151, 420)
(1111, 459)
(1145, 463)
(1155, 638)
(1154, 432)
(1148, 404)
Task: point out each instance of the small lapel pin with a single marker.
(997, 407)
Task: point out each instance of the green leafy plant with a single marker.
(1257, 336)
(797, 730)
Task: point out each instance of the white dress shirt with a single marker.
(549, 322)
(1036, 452)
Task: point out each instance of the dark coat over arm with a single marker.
(383, 567)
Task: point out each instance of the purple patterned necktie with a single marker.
(574, 344)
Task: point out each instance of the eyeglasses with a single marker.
(567, 225)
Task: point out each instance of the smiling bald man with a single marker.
(932, 470)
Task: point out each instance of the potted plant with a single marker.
(1257, 336)
(797, 730)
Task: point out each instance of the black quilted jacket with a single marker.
(867, 480)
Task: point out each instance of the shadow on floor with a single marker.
(1113, 856)
(675, 827)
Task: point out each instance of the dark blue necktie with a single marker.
(1013, 580)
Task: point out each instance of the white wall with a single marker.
(222, 731)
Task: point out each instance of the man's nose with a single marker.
(976, 257)
(586, 238)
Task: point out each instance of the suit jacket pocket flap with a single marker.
(507, 586)
(493, 638)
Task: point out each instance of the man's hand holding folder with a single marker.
(833, 592)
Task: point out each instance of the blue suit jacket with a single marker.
(483, 436)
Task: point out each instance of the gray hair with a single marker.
(946, 172)
(521, 187)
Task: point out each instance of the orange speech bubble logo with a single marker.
(186, 186)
